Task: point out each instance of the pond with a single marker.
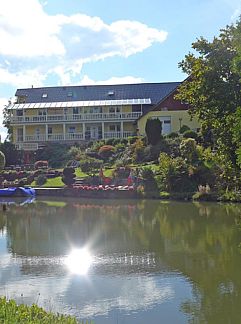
(118, 261)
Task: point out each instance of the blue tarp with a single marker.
(17, 191)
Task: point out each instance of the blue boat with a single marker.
(17, 192)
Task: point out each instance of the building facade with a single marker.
(82, 113)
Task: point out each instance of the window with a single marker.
(70, 94)
(71, 129)
(114, 109)
(50, 130)
(114, 128)
(44, 95)
(42, 112)
(19, 113)
(111, 93)
(75, 110)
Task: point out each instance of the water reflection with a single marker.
(149, 259)
(79, 261)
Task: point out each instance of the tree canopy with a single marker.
(213, 90)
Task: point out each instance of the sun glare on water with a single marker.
(79, 261)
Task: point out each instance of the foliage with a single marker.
(11, 313)
(138, 150)
(41, 180)
(173, 135)
(190, 134)
(12, 155)
(173, 175)
(121, 172)
(149, 183)
(153, 130)
(2, 160)
(132, 139)
(106, 151)
(55, 153)
(90, 166)
(41, 164)
(184, 128)
(213, 90)
(68, 176)
(188, 148)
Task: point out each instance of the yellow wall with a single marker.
(78, 127)
(129, 127)
(175, 122)
(127, 108)
(31, 129)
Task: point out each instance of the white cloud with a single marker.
(60, 44)
(21, 78)
(113, 80)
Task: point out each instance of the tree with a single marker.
(2, 160)
(12, 155)
(153, 130)
(213, 88)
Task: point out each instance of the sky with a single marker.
(80, 42)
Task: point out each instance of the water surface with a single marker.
(148, 262)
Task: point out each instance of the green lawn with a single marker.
(53, 182)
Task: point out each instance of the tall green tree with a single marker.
(153, 130)
(213, 89)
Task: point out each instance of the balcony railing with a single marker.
(71, 137)
(75, 117)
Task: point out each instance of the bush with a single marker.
(190, 134)
(122, 172)
(106, 151)
(68, 176)
(90, 166)
(132, 139)
(153, 130)
(41, 180)
(184, 128)
(149, 182)
(188, 148)
(138, 150)
(110, 141)
(41, 165)
(173, 135)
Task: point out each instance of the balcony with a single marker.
(128, 116)
(69, 137)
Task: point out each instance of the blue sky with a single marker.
(56, 42)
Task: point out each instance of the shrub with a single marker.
(29, 179)
(41, 165)
(110, 141)
(41, 180)
(188, 149)
(138, 150)
(106, 151)
(173, 175)
(122, 172)
(184, 128)
(190, 134)
(68, 176)
(124, 141)
(90, 166)
(173, 135)
(132, 139)
(149, 182)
